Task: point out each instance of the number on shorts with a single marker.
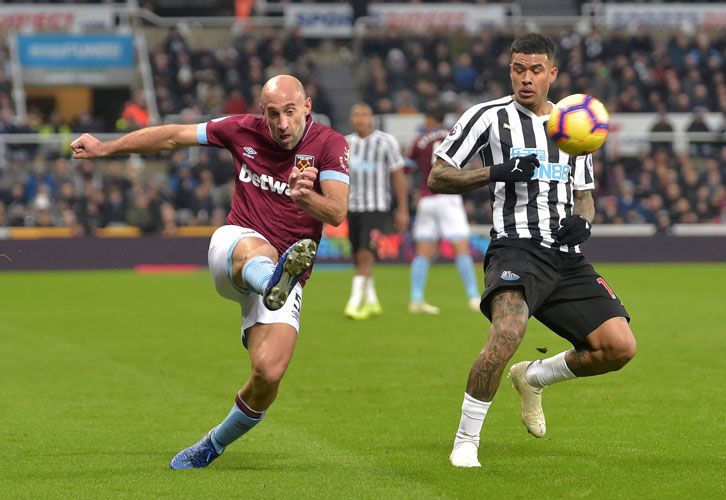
(602, 282)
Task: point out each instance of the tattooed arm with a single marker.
(584, 205)
(450, 180)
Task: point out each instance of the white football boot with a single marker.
(422, 308)
(465, 455)
(532, 415)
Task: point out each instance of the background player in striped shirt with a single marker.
(437, 216)
(265, 252)
(375, 164)
(542, 209)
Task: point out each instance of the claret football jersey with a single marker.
(422, 153)
(262, 196)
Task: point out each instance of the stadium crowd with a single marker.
(629, 72)
(228, 80)
(40, 186)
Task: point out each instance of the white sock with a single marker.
(357, 290)
(473, 413)
(545, 372)
(371, 291)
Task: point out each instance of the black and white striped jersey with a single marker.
(499, 130)
(372, 159)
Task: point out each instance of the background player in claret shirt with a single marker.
(437, 216)
(542, 208)
(292, 177)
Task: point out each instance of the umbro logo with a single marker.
(509, 276)
(249, 152)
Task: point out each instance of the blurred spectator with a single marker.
(42, 215)
(321, 104)
(7, 126)
(662, 125)
(405, 103)
(134, 114)
(39, 176)
(235, 104)
(701, 147)
(175, 43)
(114, 208)
(465, 76)
(86, 123)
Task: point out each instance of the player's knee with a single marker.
(507, 332)
(621, 351)
(268, 373)
(247, 250)
(261, 251)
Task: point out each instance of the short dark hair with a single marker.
(534, 43)
(436, 113)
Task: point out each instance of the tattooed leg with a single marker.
(509, 322)
(610, 347)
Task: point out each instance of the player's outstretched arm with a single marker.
(330, 207)
(446, 179)
(146, 140)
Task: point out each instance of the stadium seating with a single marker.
(398, 73)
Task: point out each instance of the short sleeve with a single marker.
(584, 179)
(466, 138)
(335, 165)
(215, 132)
(395, 159)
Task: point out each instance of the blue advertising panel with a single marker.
(76, 51)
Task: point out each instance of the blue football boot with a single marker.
(292, 265)
(197, 455)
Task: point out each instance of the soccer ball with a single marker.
(578, 124)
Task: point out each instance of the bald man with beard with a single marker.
(292, 176)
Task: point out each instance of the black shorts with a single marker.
(362, 227)
(562, 290)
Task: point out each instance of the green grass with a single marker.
(106, 375)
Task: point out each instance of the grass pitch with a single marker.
(106, 375)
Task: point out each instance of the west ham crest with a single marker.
(304, 161)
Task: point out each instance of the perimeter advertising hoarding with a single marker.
(53, 17)
(679, 15)
(336, 20)
(64, 59)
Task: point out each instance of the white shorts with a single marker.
(223, 242)
(441, 216)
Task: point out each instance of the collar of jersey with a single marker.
(309, 125)
(526, 111)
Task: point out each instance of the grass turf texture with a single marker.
(106, 375)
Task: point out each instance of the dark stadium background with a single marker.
(658, 67)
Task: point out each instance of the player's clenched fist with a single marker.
(87, 147)
(517, 169)
(301, 182)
